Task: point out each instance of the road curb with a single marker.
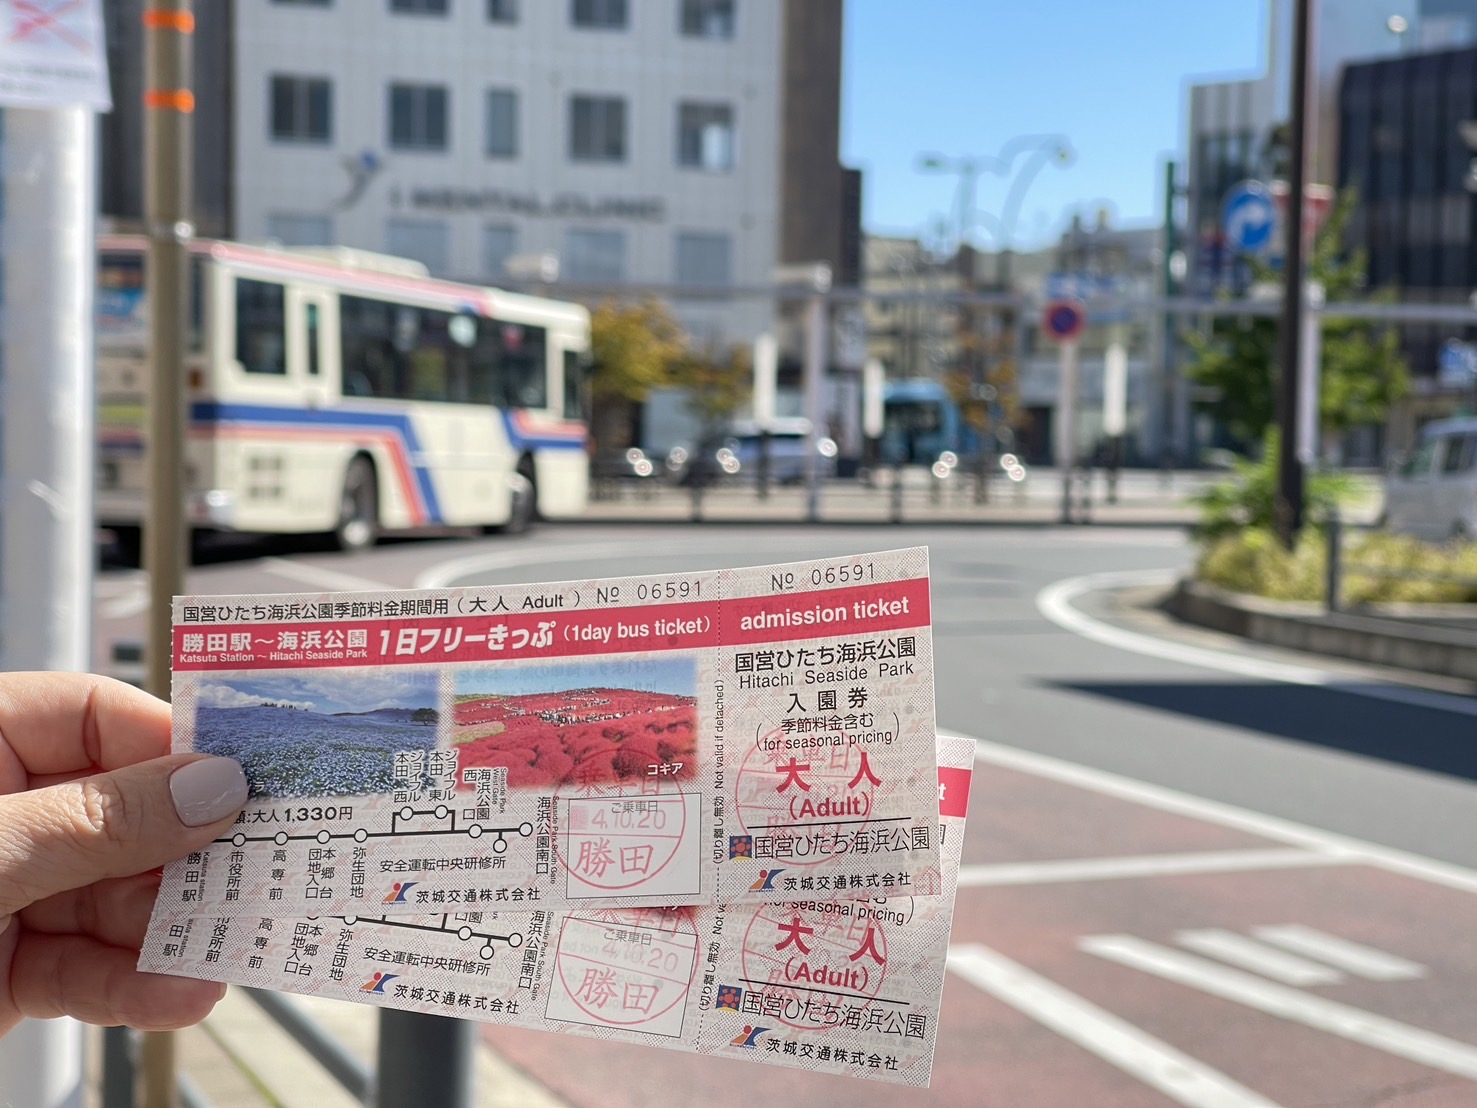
(1439, 651)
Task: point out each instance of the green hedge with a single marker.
(1254, 561)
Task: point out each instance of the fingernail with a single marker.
(207, 790)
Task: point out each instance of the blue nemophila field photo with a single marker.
(329, 734)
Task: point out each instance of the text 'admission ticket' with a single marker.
(832, 986)
(739, 735)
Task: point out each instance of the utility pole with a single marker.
(1289, 506)
(168, 105)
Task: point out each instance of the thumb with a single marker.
(113, 824)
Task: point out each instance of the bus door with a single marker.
(311, 358)
(314, 464)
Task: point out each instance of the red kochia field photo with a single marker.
(593, 734)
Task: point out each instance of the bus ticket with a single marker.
(832, 986)
(702, 738)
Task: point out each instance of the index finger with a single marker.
(63, 723)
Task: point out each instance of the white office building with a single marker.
(633, 142)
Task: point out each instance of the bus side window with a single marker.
(261, 327)
(524, 378)
(310, 312)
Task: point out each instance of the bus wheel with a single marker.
(524, 507)
(358, 514)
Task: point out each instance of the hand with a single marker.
(91, 803)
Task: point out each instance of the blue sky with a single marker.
(327, 691)
(961, 77)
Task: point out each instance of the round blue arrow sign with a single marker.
(1247, 218)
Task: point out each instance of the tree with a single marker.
(635, 348)
(716, 384)
(1362, 370)
(424, 715)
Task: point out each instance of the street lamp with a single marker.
(1038, 151)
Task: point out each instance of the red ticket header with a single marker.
(786, 617)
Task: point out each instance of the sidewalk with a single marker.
(240, 1058)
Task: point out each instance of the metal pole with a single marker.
(168, 104)
(1164, 426)
(46, 463)
(424, 1060)
(814, 372)
(1066, 433)
(1289, 508)
(1334, 577)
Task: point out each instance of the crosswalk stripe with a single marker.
(1139, 1054)
(1145, 865)
(1249, 954)
(1355, 958)
(1344, 1020)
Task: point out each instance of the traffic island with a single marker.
(1422, 639)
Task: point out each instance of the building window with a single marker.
(705, 138)
(418, 117)
(603, 14)
(427, 241)
(707, 18)
(502, 11)
(301, 108)
(300, 230)
(499, 243)
(704, 260)
(594, 257)
(597, 129)
(502, 123)
(419, 7)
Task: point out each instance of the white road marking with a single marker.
(1415, 1044)
(1228, 815)
(1055, 603)
(1355, 958)
(1238, 950)
(1144, 865)
(321, 577)
(1139, 1054)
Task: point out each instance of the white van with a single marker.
(1432, 493)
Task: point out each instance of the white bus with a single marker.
(338, 391)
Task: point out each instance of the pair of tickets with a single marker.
(706, 811)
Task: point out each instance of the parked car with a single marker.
(787, 442)
(1431, 493)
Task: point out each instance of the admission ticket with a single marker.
(834, 986)
(701, 738)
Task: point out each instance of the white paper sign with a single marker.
(53, 55)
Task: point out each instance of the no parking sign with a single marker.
(1063, 320)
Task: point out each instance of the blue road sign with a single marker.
(1457, 363)
(1247, 218)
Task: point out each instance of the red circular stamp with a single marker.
(815, 961)
(620, 838)
(625, 967)
(785, 789)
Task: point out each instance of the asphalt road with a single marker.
(1173, 840)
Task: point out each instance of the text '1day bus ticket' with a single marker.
(834, 986)
(701, 738)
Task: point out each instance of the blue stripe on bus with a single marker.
(339, 419)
